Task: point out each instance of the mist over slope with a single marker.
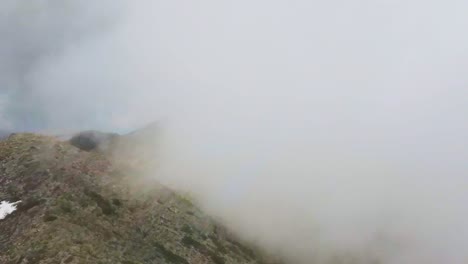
(318, 129)
(74, 206)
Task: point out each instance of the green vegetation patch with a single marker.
(169, 255)
(190, 242)
(105, 205)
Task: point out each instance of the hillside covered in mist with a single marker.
(75, 206)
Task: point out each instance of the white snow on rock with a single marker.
(7, 208)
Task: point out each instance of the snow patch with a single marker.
(7, 208)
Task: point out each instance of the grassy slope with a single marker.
(77, 207)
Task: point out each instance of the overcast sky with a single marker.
(314, 127)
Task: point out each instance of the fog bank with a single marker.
(315, 128)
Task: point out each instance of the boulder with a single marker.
(93, 140)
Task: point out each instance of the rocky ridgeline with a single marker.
(79, 206)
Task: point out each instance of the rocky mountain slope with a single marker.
(86, 207)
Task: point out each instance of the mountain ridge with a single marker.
(81, 207)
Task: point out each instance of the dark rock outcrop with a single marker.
(93, 140)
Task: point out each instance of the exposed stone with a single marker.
(92, 140)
